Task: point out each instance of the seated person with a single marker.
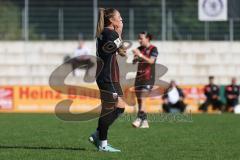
(81, 57)
(81, 60)
(211, 92)
(173, 99)
(231, 95)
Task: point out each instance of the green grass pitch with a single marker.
(43, 136)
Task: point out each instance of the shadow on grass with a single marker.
(41, 148)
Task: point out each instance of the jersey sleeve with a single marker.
(114, 37)
(111, 41)
(218, 90)
(226, 92)
(154, 52)
(207, 91)
(238, 92)
(136, 58)
(180, 91)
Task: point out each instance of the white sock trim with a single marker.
(103, 143)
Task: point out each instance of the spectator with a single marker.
(231, 94)
(81, 50)
(174, 99)
(211, 92)
(82, 58)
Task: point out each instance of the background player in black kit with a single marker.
(146, 56)
(211, 92)
(109, 30)
(231, 94)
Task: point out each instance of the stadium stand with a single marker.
(188, 62)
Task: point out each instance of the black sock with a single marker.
(106, 120)
(119, 111)
(142, 115)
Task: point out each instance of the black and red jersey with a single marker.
(108, 71)
(211, 90)
(146, 71)
(232, 90)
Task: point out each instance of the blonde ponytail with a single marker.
(100, 23)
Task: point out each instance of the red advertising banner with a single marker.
(44, 99)
(6, 98)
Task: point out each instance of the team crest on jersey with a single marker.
(148, 51)
(235, 89)
(208, 89)
(229, 89)
(115, 95)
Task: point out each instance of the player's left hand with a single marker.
(136, 52)
(122, 51)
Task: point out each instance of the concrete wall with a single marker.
(188, 62)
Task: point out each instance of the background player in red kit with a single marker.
(232, 92)
(109, 42)
(145, 55)
(211, 92)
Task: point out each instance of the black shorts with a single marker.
(232, 102)
(144, 85)
(109, 92)
(143, 88)
(143, 91)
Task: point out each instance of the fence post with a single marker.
(95, 16)
(169, 25)
(231, 29)
(131, 24)
(163, 20)
(60, 24)
(26, 20)
(206, 30)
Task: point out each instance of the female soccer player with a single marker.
(146, 56)
(109, 42)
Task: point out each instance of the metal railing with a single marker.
(166, 20)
